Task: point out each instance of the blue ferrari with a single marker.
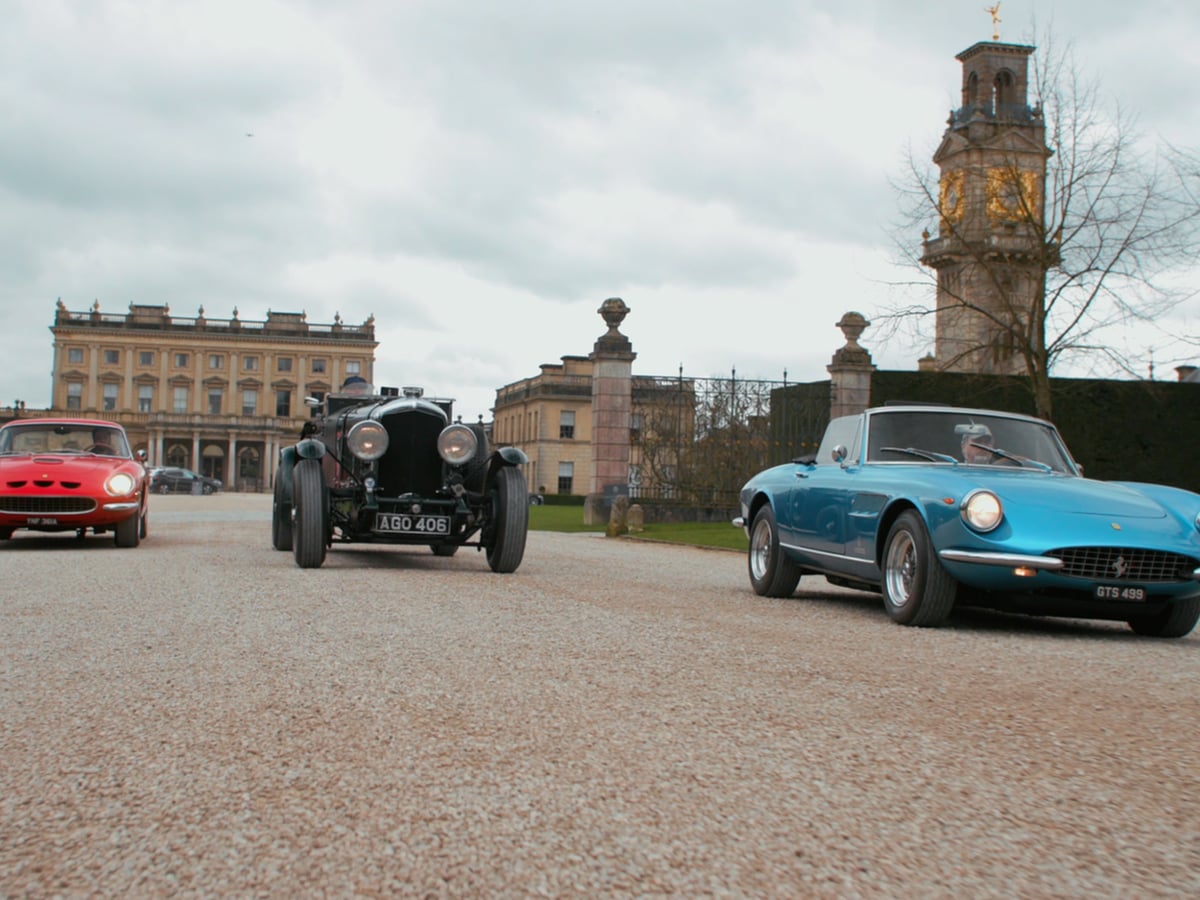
(936, 506)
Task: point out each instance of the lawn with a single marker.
(700, 534)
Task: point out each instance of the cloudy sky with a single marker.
(481, 175)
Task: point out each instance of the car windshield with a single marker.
(965, 437)
(63, 437)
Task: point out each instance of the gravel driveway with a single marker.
(200, 717)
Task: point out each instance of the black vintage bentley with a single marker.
(391, 467)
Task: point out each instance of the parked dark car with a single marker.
(175, 480)
(938, 507)
(393, 468)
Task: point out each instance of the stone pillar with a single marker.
(850, 371)
(612, 409)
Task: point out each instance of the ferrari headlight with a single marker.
(457, 444)
(367, 439)
(119, 484)
(982, 510)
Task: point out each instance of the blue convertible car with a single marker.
(933, 506)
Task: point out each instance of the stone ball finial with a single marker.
(853, 324)
(614, 311)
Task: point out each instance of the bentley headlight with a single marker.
(367, 439)
(457, 444)
(982, 510)
(120, 484)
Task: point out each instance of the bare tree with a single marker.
(1090, 246)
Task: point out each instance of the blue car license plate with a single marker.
(1119, 592)
(404, 523)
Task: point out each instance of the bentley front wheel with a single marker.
(510, 520)
(309, 532)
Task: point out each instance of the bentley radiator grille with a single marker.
(1124, 564)
(47, 506)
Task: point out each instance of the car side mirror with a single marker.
(839, 453)
(312, 401)
(141, 455)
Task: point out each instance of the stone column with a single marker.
(612, 408)
(850, 371)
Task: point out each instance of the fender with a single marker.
(310, 448)
(283, 475)
(505, 456)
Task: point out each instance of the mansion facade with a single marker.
(219, 396)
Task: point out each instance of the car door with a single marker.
(820, 501)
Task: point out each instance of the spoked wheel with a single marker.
(281, 518)
(1178, 620)
(917, 590)
(772, 572)
(309, 532)
(510, 520)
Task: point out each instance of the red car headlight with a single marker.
(120, 484)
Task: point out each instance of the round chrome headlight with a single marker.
(982, 510)
(457, 444)
(119, 484)
(367, 439)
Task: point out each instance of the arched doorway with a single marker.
(249, 469)
(212, 462)
(177, 456)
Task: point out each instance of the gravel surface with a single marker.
(199, 717)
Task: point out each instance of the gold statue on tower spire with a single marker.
(995, 14)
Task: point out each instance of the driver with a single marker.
(975, 444)
(103, 442)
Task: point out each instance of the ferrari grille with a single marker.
(39, 506)
(1124, 564)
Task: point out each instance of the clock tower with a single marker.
(989, 252)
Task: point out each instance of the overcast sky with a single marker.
(481, 175)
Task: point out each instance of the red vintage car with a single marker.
(71, 475)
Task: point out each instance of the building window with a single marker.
(110, 396)
(318, 366)
(216, 361)
(74, 395)
(145, 398)
(216, 398)
(284, 364)
(145, 357)
(250, 364)
(249, 403)
(353, 367)
(180, 402)
(181, 360)
(283, 403)
(112, 357)
(566, 474)
(566, 425)
(75, 356)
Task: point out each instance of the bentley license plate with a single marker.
(1119, 592)
(405, 523)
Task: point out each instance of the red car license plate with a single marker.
(404, 523)
(1119, 592)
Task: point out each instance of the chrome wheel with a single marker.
(901, 569)
(760, 548)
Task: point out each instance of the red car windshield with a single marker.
(63, 437)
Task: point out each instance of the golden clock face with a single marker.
(950, 203)
(1012, 195)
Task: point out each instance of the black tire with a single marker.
(6, 534)
(144, 524)
(206, 489)
(444, 549)
(281, 518)
(127, 532)
(510, 520)
(309, 531)
(164, 488)
(1177, 621)
(772, 572)
(475, 472)
(917, 590)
